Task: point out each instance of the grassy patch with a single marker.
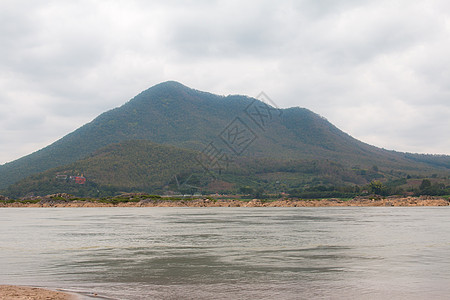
(30, 201)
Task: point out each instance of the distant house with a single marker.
(80, 180)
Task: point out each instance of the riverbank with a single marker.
(140, 201)
(12, 292)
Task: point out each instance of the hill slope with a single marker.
(143, 166)
(170, 113)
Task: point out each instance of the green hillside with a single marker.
(143, 166)
(238, 126)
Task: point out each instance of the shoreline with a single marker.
(12, 292)
(206, 202)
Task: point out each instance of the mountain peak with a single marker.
(170, 84)
(165, 89)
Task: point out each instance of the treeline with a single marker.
(390, 188)
(433, 189)
(326, 192)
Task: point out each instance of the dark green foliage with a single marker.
(377, 187)
(426, 184)
(432, 189)
(321, 191)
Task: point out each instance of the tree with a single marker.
(426, 184)
(377, 187)
(246, 190)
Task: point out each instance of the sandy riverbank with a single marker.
(12, 292)
(205, 202)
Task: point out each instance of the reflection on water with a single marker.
(230, 253)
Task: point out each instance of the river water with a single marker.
(230, 253)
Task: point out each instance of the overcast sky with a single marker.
(378, 70)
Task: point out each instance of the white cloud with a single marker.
(379, 70)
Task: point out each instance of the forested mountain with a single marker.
(220, 127)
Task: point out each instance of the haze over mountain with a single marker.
(234, 126)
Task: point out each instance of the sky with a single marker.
(378, 70)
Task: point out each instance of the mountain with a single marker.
(217, 126)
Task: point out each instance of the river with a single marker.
(230, 253)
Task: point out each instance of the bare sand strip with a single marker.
(12, 292)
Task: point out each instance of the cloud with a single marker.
(376, 69)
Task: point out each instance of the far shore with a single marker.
(13, 292)
(50, 201)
